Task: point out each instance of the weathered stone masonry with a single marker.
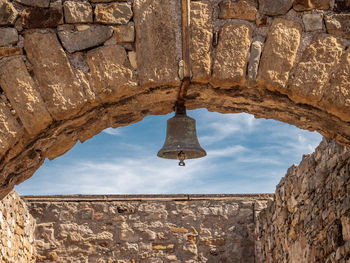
(16, 231)
(179, 228)
(69, 69)
(309, 219)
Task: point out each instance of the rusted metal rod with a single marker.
(185, 26)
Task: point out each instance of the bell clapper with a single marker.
(181, 156)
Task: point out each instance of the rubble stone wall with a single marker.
(16, 231)
(309, 220)
(180, 228)
(69, 69)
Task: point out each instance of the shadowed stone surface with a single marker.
(304, 5)
(82, 37)
(338, 25)
(59, 86)
(24, 95)
(41, 17)
(8, 13)
(232, 55)
(8, 36)
(158, 42)
(111, 73)
(11, 51)
(10, 130)
(275, 7)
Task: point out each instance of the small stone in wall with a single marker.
(304, 5)
(84, 36)
(77, 12)
(239, 10)
(132, 59)
(35, 3)
(125, 33)
(11, 51)
(8, 36)
(338, 25)
(275, 7)
(255, 53)
(8, 13)
(41, 17)
(312, 22)
(116, 13)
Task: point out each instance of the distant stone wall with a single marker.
(16, 231)
(146, 229)
(310, 218)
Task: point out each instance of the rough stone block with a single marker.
(8, 36)
(77, 12)
(84, 37)
(313, 71)
(275, 7)
(115, 13)
(111, 72)
(241, 9)
(279, 54)
(338, 25)
(124, 33)
(304, 5)
(11, 130)
(132, 59)
(10, 51)
(232, 55)
(60, 88)
(24, 95)
(35, 3)
(255, 54)
(158, 41)
(313, 22)
(8, 13)
(201, 40)
(336, 98)
(41, 17)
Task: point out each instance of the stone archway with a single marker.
(64, 82)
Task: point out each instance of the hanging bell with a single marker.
(181, 139)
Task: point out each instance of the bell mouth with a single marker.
(190, 153)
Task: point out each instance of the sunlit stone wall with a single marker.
(309, 221)
(16, 231)
(180, 228)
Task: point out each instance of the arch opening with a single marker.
(245, 155)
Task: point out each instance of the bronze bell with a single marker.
(181, 139)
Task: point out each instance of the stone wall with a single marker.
(309, 221)
(180, 228)
(69, 69)
(16, 231)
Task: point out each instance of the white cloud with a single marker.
(111, 131)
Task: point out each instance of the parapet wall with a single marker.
(16, 231)
(180, 228)
(310, 218)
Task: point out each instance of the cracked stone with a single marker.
(115, 13)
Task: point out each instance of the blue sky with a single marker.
(244, 155)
